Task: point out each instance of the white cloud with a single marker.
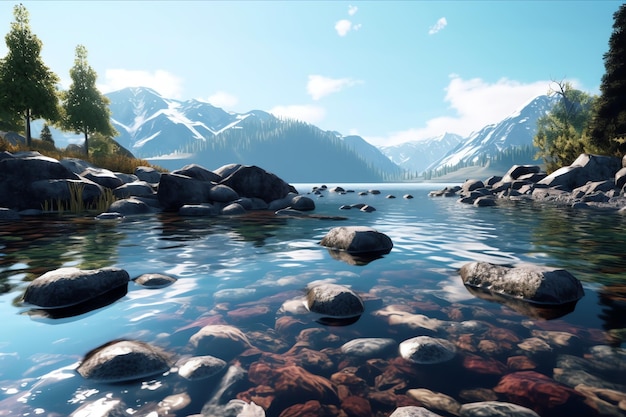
(320, 86)
(165, 83)
(305, 113)
(352, 10)
(223, 99)
(343, 26)
(441, 23)
(476, 103)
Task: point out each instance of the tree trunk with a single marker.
(86, 143)
(27, 128)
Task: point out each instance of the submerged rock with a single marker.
(495, 409)
(427, 350)
(334, 301)
(70, 286)
(413, 411)
(200, 367)
(155, 280)
(123, 360)
(368, 347)
(530, 283)
(219, 340)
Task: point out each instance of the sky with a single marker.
(389, 71)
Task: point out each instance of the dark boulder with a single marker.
(252, 181)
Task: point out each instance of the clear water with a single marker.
(273, 259)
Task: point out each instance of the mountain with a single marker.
(416, 156)
(373, 155)
(512, 135)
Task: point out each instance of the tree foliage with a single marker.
(85, 109)
(607, 130)
(46, 135)
(560, 135)
(27, 86)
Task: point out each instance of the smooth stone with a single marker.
(334, 300)
(199, 210)
(413, 411)
(155, 280)
(123, 360)
(357, 239)
(427, 350)
(217, 339)
(102, 407)
(200, 367)
(435, 400)
(368, 347)
(495, 409)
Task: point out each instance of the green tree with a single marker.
(27, 86)
(45, 134)
(85, 109)
(560, 134)
(607, 130)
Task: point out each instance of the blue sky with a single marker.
(388, 71)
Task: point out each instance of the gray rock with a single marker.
(200, 367)
(198, 172)
(155, 280)
(130, 206)
(484, 201)
(368, 209)
(529, 282)
(252, 181)
(134, 189)
(126, 178)
(76, 165)
(234, 209)
(109, 216)
(102, 407)
(369, 347)
(198, 210)
(427, 350)
(8, 214)
(495, 409)
(102, 177)
(584, 169)
(282, 203)
(123, 360)
(357, 240)
(517, 171)
(302, 203)
(177, 190)
(148, 174)
(219, 339)
(222, 194)
(620, 178)
(335, 301)
(471, 185)
(70, 286)
(413, 411)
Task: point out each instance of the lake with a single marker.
(243, 271)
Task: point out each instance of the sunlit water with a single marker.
(225, 263)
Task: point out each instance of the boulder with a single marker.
(8, 214)
(221, 193)
(123, 360)
(334, 301)
(102, 177)
(177, 190)
(369, 347)
(427, 350)
(77, 166)
(252, 181)
(134, 189)
(70, 286)
(357, 240)
(620, 178)
(471, 185)
(130, 206)
(584, 169)
(233, 209)
(517, 171)
(198, 210)
(200, 367)
(198, 172)
(218, 339)
(148, 174)
(529, 282)
(302, 203)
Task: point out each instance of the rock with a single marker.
(76, 165)
(485, 201)
(302, 203)
(620, 178)
(177, 190)
(200, 367)
(369, 347)
(413, 411)
(130, 206)
(529, 283)
(311, 408)
(218, 340)
(148, 174)
(545, 395)
(427, 350)
(199, 210)
(495, 409)
(294, 384)
(355, 406)
(70, 286)
(357, 240)
(407, 196)
(368, 209)
(199, 173)
(234, 408)
(517, 171)
(155, 280)
(435, 400)
(102, 407)
(8, 214)
(334, 301)
(123, 360)
(103, 177)
(109, 216)
(584, 169)
(134, 189)
(222, 194)
(471, 185)
(234, 209)
(252, 181)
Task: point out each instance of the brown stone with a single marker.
(356, 407)
(262, 395)
(310, 409)
(481, 365)
(297, 384)
(249, 313)
(520, 363)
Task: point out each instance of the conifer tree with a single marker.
(27, 86)
(45, 134)
(607, 131)
(85, 109)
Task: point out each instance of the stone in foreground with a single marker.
(357, 240)
(334, 301)
(123, 360)
(200, 367)
(65, 287)
(427, 350)
(529, 282)
(495, 409)
(413, 411)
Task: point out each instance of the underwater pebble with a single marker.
(427, 350)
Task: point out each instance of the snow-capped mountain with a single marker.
(517, 130)
(416, 156)
(373, 155)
